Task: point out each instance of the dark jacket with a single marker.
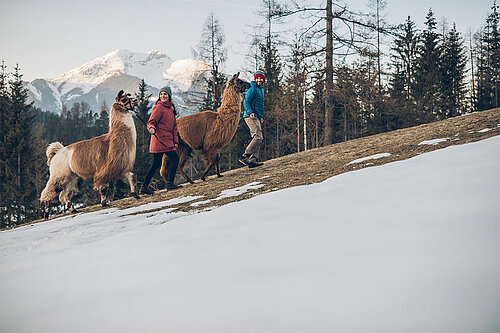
(163, 120)
(254, 101)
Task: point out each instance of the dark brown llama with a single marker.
(209, 131)
(105, 158)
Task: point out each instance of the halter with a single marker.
(129, 102)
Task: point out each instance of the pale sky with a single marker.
(50, 37)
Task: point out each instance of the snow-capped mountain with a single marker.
(99, 81)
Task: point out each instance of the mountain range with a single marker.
(99, 81)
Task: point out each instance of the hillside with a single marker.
(408, 246)
(316, 165)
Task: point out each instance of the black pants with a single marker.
(173, 161)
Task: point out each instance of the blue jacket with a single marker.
(254, 101)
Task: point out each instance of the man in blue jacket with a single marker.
(253, 116)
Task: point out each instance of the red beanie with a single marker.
(259, 74)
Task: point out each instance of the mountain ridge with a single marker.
(100, 79)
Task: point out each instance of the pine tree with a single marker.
(404, 58)
(295, 88)
(102, 123)
(428, 77)
(143, 107)
(4, 120)
(18, 155)
(488, 63)
(272, 128)
(454, 62)
(317, 111)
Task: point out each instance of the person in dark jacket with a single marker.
(254, 118)
(162, 126)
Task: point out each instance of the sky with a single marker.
(50, 37)
(409, 246)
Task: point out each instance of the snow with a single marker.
(143, 65)
(433, 142)
(372, 157)
(36, 93)
(182, 73)
(410, 246)
(155, 67)
(484, 130)
(234, 192)
(199, 203)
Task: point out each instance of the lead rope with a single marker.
(146, 125)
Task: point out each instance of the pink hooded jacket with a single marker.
(163, 120)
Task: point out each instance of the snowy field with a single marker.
(411, 246)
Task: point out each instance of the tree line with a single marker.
(333, 79)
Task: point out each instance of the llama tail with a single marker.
(52, 149)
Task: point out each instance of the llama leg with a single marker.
(49, 192)
(217, 165)
(69, 189)
(164, 168)
(113, 185)
(183, 158)
(209, 165)
(103, 191)
(129, 178)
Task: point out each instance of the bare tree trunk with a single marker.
(305, 120)
(18, 169)
(214, 70)
(472, 72)
(298, 126)
(378, 48)
(328, 132)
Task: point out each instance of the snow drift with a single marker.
(409, 246)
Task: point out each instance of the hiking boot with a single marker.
(244, 159)
(171, 186)
(146, 190)
(254, 164)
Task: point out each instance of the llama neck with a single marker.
(118, 119)
(231, 103)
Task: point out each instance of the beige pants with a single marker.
(253, 147)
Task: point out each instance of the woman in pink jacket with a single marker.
(164, 140)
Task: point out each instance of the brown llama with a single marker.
(105, 158)
(209, 131)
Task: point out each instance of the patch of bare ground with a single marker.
(316, 165)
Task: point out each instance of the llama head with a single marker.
(239, 85)
(125, 101)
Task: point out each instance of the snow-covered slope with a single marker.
(90, 82)
(410, 246)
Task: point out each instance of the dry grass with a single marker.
(318, 164)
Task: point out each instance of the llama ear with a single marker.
(236, 75)
(120, 93)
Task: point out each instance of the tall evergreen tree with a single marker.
(488, 63)
(143, 108)
(273, 112)
(102, 123)
(404, 58)
(428, 77)
(453, 64)
(4, 120)
(18, 155)
(296, 87)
